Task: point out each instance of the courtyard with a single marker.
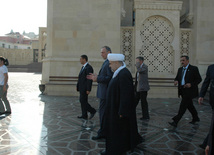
(48, 125)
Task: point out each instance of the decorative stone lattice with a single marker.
(127, 45)
(157, 35)
(185, 41)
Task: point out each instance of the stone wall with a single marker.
(203, 34)
(17, 56)
(79, 27)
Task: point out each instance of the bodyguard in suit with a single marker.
(187, 79)
(103, 78)
(84, 88)
(208, 82)
(142, 86)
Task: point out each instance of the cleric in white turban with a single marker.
(120, 116)
(116, 57)
(117, 63)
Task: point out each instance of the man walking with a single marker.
(84, 87)
(4, 87)
(208, 81)
(142, 86)
(103, 78)
(187, 79)
(120, 116)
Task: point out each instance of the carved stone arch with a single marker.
(157, 34)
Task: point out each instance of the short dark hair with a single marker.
(6, 62)
(84, 57)
(140, 58)
(107, 48)
(187, 57)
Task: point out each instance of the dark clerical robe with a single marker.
(121, 133)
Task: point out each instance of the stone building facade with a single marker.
(17, 56)
(20, 50)
(160, 31)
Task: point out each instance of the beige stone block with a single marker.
(70, 90)
(163, 92)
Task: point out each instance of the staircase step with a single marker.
(33, 67)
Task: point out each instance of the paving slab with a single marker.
(48, 125)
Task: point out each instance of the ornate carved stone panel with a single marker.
(127, 45)
(157, 34)
(185, 40)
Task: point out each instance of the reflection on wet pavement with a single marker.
(49, 125)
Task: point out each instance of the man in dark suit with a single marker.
(105, 75)
(208, 81)
(84, 87)
(187, 79)
(142, 86)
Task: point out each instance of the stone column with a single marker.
(203, 34)
(76, 27)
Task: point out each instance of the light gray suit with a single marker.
(141, 88)
(142, 81)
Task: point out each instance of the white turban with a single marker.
(116, 57)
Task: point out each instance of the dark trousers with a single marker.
(205, 142)
(85, 106)
(102, 108)
(186, 103)
(144, 104)
(211, 136)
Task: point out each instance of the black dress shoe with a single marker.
(92, 115)
(202, 146)
(173, 124)
(103, 152)
(194, 121)
(81, 117)
(144, 118)
(97, 137)
(141, 139)
(1, 113)
(7, 112)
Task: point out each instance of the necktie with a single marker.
(183, 72)
(182, 75)
(81, 69)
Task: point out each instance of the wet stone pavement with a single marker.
(48, 125)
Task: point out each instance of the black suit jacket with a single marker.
(83, 83)
(211, 136)
(209, 81)
(193, 77)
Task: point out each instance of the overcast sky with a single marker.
(22, 15)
